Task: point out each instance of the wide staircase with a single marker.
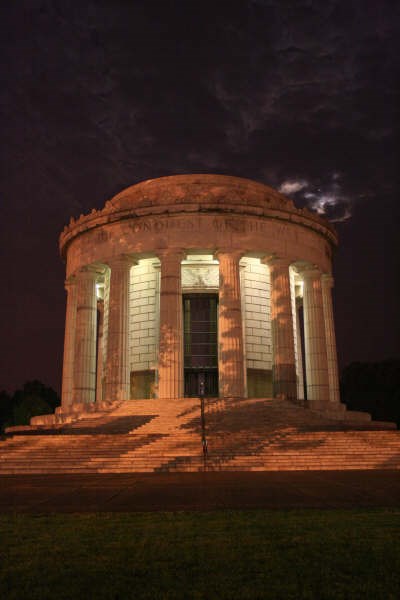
(172, 435)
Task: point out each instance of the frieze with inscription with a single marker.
(220, 225)
(158, 225)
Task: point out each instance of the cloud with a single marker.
(292, 186)
(326, 198)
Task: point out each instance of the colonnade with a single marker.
(79, 369)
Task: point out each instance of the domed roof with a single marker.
(184, 194)
(203, 191)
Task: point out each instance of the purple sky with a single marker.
(96, 96)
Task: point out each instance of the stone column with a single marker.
(170, 357)
(284, 361)
(100, 357)
(334, 392)
(69, 345)
(117, 376)
(300, 375)
(85, 337)
(230, 329)
(242, 271)
(314, 338)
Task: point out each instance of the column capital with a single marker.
(234, 253)
(328, 280)
(121, 261)
(171, 254)
(310, 272)
(282, 262)
(89, 272)
(70, 282)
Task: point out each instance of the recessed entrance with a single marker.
(200, 312)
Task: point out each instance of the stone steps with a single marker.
(117, 456)
(165, 436)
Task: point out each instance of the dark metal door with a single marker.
(200, 312)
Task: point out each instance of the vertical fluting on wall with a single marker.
(297, 335)
(230, 329)
(85, 336)
(117, 382)
(334, 391)
(170, 363)
(69, 344)
(314, 337)
(284, 362)
(105, 325)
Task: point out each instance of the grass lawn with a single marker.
(219, 554)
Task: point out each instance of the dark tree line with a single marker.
(34, 399)
(374, 388)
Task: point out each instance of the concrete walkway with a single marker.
(199, 491)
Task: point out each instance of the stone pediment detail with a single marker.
(200, 277)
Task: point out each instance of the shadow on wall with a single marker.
(230, 339)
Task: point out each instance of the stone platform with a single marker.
(167, 436)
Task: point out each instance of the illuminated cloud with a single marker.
(327, 198)
(292, 186)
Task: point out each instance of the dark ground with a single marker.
(199, 491)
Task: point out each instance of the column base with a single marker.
(337, 411)
(74, 412)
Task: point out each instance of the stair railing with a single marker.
(203, 420)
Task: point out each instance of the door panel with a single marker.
(200, 344)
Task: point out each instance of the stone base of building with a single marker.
(80, 411)
(337, 411)
(74, 412)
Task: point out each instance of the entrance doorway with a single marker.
(200, 318)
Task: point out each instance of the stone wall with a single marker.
(257, 326)
(143, 326)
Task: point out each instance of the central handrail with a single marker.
(203, 422)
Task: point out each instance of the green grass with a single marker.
(189, 555)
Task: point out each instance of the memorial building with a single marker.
(199, 337)
(199, 285)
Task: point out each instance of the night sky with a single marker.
(97, 96)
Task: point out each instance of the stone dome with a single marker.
(199, 192)
(217, 196)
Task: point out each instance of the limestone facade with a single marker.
(199, 280)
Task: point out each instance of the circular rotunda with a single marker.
(199, 285)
